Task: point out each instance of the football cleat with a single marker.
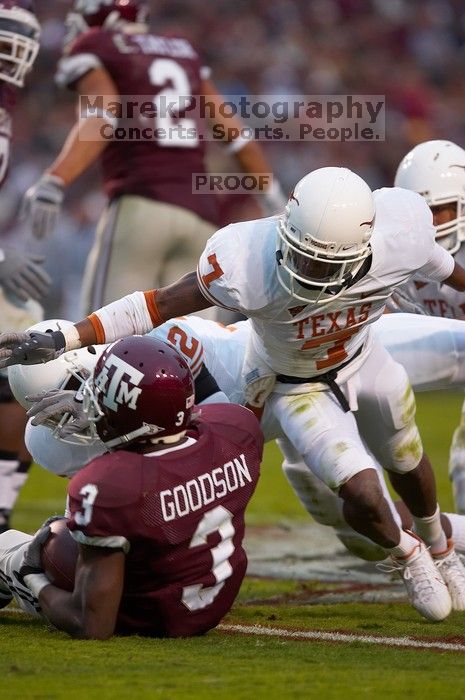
(424, 584)
(452, 571)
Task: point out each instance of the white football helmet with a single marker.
(69, 371)
(19, 42)
(324, 234)
(436, 170)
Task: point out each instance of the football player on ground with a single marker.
(156, 224)
(22, 279)
(159, 519)
(436, 170)
(312, 282)
(59, 438)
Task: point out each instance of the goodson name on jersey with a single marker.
(204, 489)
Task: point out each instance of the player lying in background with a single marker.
(430, 348)
(143, 513)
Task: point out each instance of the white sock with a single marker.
(430, 530)
(405, 547)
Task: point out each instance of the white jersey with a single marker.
(237, 270)
(423, 296)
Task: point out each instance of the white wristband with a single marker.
(126, 316)
(237, 144)
(35, 583)
(72, 339)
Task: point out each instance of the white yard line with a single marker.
(340, 637)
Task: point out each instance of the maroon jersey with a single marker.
(145, 67)
(178, 514)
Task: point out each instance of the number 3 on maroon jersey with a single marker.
(89, 493)
(219, 520)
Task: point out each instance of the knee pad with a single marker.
(404, 451)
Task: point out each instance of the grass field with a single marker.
(277, 642)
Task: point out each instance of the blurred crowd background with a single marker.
(412, 51)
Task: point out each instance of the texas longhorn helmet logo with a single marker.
(112, 385)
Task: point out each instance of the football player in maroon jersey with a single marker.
(22, 278)
(159, 519)
(155, 225)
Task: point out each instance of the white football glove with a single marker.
(60, 407)
(22, 274)
(42, 203)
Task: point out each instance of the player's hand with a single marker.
(59, 406)
(32, 560)
(30, 348)
(22, 274)
(42, 203)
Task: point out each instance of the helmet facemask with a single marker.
(450, 234)
(19, 45)
(316, 271)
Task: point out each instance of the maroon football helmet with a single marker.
(19, 40)
(143, 391)
(108, 14)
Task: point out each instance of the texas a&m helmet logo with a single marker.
(117, 383)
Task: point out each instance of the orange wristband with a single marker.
(98, 328)
(151, 301)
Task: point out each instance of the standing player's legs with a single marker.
(330, 444)
(141, 244)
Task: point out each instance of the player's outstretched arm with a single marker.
(90, 611)
(134, 314)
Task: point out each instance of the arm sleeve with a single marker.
(88, 52)
(218, 279)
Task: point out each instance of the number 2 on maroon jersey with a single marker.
(170, 101)
(219, 520)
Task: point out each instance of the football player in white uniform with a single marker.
(312, 282)
(23, 281)
(436, 170)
